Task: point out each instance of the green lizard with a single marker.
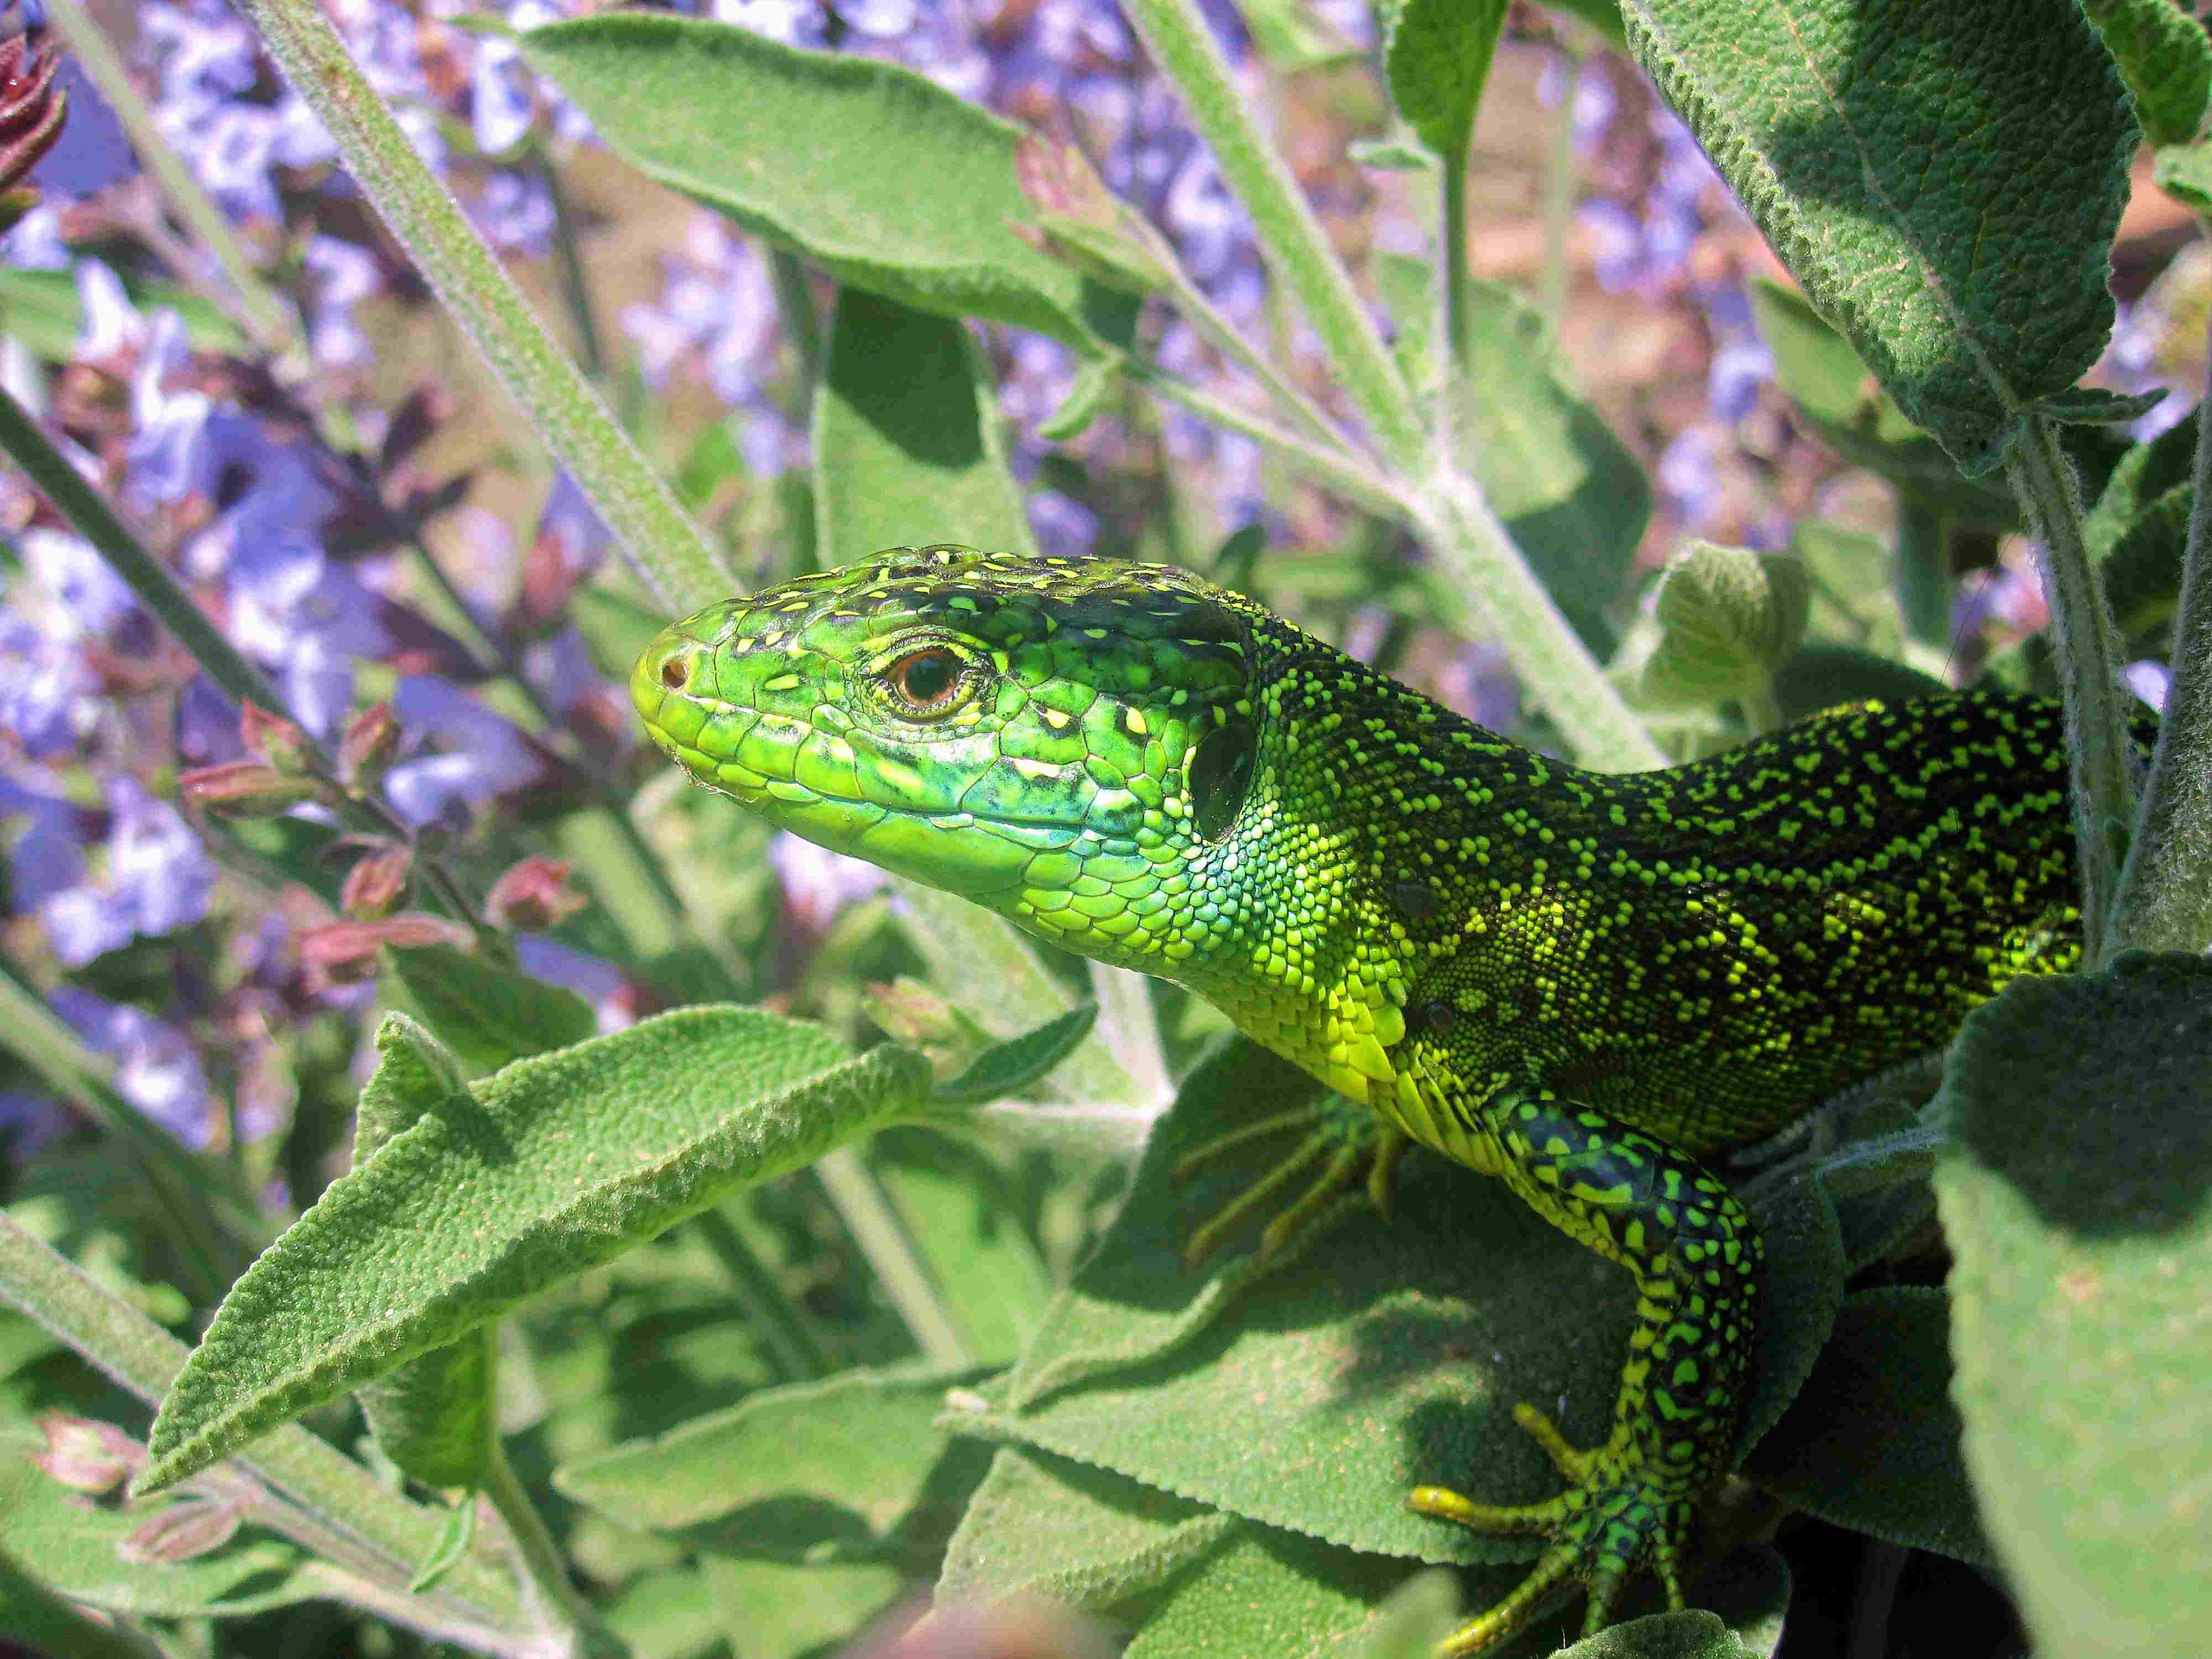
(1579, 984)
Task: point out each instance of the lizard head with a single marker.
(1068, 741)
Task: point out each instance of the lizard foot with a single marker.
(1341, 1145)
(1614, 1515)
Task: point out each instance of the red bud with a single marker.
(277, 740)
(533, 896)
(376, 884)
(371, 740)
(187, 1527)
(88, 1456)
(244, 789)
(344, 952)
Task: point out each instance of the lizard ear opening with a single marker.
(1221, 776)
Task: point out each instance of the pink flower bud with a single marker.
(533, 896)
(88, 1456)
(244, 789)
(376, 884)
(187, 1527)
(279, 742)
(371, 740)
(345, 952)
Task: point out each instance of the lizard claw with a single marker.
(1614, 1516)
(1347, 1147)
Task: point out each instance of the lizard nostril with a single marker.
(675, 670)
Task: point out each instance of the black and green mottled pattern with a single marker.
(1579, 984)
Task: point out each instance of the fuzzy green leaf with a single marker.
(432, 1417)
(2184, 172)
(557, 1164)
(1009, 1068)
(1942, 176)
(1437, 57)
(2094, 405)
(906, 440)
(2165, 59)
(1872, 1441)
(1196, 1583)
(2073, 1193)
(1330, 1358)
(826, 155)
(1729, 618)
(853, 1468)
(487, 1013)
(1818, 676)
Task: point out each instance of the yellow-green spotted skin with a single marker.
(1581, 984)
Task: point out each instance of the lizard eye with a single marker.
(927, 683)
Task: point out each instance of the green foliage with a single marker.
(2166, 60)
(487, 1013)
(76, 1548)
(1217, 1457)
(1852, 138)
(554, 1165)
(1729, 618)
(2073, 1193)
(906, 448)
(1338, 1376)
(1871, 1442)
(701, 106)
(1437, 56)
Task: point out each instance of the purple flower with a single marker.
(28, 1122)
(1688, 476)
(344, 273)
(480, 756)
(596, 980)
(156, 1070)
(817, 882)
(92, 153)
(794, 22)
(1739, 367)
(158, 877)
(2149, 680)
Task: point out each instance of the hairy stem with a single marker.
(2165, 900)
(674, 557)
(1177, 35)
(2089, 664)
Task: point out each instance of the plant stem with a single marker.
(2165, 899)
(370, 1532)
(780, 1326)
(575, 282)
(544, 1571)
(1509, 602)
(1334, 468)
(257, 307)
(875, 1227)
(1177, 35)
(1459, 322)
(672, 557)
(2089, 663)
(802, 324)
(27, 444)
(1562, 174)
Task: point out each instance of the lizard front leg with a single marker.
(1695, 1252)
